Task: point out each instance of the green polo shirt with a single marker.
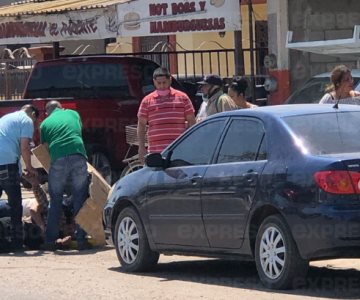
(62, 132)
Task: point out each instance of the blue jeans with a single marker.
(71, 169)
(10, 183)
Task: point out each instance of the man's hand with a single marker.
(32, 178)
(31, 170)
(26, 155)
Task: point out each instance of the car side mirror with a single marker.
(154, 160)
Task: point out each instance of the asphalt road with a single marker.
(96, 274)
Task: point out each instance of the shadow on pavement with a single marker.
(30, 253)
(320, 282)
(67, 252)
(83, 252)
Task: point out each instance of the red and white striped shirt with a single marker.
(166, 117)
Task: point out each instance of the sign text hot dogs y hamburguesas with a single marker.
(163, 18)
(126, 19)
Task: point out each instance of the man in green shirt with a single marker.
(61, 133)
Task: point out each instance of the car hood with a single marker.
(131, 184)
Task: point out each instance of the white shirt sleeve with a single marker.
(326, 99)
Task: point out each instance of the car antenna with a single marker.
(336, 105)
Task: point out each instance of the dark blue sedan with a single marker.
(279, 185)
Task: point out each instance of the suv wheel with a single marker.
(102, 164)
(132, 247)
(131, 167)
(278, 261)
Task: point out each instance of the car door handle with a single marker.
(195, 179)
(250, 177)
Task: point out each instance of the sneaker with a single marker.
(83, 245)
(51, 246)
(16, 247)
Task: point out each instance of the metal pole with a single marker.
(56, 50)
(239, 53)
(251, 36)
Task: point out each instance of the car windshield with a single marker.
(328, 133)
(313, 90)
(90, 80)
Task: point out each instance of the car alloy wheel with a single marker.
(128, 240)
(132, 246)
(272, 252)
(277, 258)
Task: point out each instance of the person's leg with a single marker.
(79, 189)
(58, 172)
(10, 182)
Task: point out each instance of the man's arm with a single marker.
(43, 140)
(141, 133)
(190, 120)
(189, 112)
(26, 154)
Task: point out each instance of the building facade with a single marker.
(313, 23)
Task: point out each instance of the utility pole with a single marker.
(239, 53)
(251, 48)
(56, 50)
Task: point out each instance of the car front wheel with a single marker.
(132, 247)
(278, 261)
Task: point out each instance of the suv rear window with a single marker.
(80, 80)
(328, 133)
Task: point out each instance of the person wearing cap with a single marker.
(236, 91)
(214, 98)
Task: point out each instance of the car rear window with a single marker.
(328, 133)
(79, 80)
(313, 90)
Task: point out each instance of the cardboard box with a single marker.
(90, 215)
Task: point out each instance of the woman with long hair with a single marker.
(341, 87)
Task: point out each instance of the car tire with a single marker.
(277, 258)
(2, 234)
(101, 163)
(131, 243)
(131, 167)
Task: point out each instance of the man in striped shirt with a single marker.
(167, 112)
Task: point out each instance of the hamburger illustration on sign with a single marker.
(132, 21)
(217, 3)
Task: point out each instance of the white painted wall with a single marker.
(278, 26)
